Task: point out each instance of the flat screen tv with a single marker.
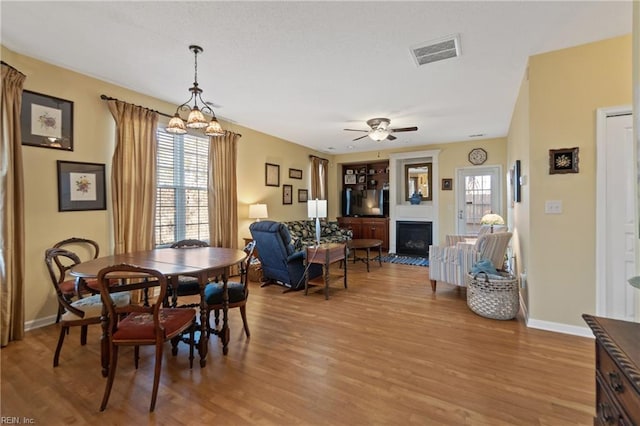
(368, 202)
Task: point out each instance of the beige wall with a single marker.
(518, 215)
(94, 133)
(564, 88)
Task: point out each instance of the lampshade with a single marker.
(214, 128)
(492, 219)
(258, 211)
(317, 208)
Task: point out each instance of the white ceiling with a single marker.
(304, 71)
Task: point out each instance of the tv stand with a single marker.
(370, 228)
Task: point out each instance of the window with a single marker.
(181, 204)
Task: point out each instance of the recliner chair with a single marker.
(280, 262)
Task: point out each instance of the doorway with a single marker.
(616, 224)
(478, 192)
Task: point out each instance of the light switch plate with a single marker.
(553, 207)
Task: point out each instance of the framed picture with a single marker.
(81, 186)
(362, 178)
(350, 179)
(563, 160)
(303, 196)
(46, 121)
(287, 194)
(516, 182)
(295, 174)
(271, 174)
(447, 184)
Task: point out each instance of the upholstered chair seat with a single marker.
(452, 263)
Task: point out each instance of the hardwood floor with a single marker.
(385, 351)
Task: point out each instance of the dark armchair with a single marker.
(280, 262)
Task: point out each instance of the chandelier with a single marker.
(196, 118)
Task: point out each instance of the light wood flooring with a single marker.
(386, 351)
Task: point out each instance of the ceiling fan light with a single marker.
(176, 126)
(214, 129)
(196, 119)
(378, 134)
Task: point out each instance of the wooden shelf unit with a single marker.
(359, 176)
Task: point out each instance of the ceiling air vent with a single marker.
(436, 50)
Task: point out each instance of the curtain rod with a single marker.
(319, 158)
(12, 67)
(109, 98)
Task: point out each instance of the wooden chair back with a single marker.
(137, 325)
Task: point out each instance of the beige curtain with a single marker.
(11, 209)
(223, 194)
(319, 178)
(133, 177)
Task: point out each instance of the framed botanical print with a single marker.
(46, 121)
(303, 195)
(563, 160)
(81, 186)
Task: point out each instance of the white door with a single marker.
(617, 221)
(478, 192)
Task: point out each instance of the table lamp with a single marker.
(258, 211)
(317, 208)
(492, 219)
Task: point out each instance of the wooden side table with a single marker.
(325, 254)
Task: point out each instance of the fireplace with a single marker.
(413, 238)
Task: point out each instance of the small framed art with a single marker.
(563, 160)
(287, 194)
(271, 174)
(295, 173)
(46, 121)
(303, 195)
(350, 179)
(81, 186)
(447, 184)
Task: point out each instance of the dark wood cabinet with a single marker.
(617, 371)
(368, 227)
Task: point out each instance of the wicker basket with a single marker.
(255, 272)
(493, 296)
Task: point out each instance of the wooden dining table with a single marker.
(200, 262)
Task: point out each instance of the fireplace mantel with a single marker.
(402, 210)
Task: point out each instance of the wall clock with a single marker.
(477, 156)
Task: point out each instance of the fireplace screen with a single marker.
(413, 238)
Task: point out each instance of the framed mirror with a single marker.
(417, 178)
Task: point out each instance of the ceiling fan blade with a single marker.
(355, 130)
(404, 129)
(391, 138)
(357, 139)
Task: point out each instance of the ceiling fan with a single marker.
(380, 130)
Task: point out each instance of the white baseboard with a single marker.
(40, 322)
(560, 328)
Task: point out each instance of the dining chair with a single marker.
(238, 294)
(84, 249)
(186, 286)
(140, 325)
(81, 312)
